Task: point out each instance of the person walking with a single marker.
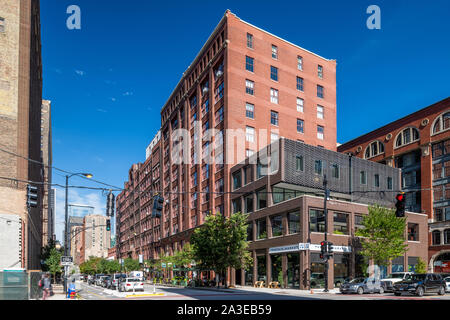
(46, 287)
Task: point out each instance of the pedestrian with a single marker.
(71, 288)
(46, 285)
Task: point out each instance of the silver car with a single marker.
(362, 285)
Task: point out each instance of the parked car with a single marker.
(98, 279)
(421, 284)
(362, 285)
(447, 284)
(393, 278)
(116, 279)
(90, 279)
(131, 284)
(105, 280)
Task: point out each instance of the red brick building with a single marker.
(244, 78)
(419, 144)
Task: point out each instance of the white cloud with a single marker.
(113, 99)
(128, 93)
(80, 72)
(102, 110)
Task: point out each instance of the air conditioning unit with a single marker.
(425, 122)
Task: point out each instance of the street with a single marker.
(91, 292)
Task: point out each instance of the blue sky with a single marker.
(108, 81)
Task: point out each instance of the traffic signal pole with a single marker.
(326, 230)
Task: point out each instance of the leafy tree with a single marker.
(131, 265)
(53, 262)
(221, 243)
(421, 266)
(113, 266)
(184, 257)
(384, 235)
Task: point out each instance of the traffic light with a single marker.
(158, 203)
(323, 249)
(32, 196)
(400, 205)
(110, 204)
(329, 247)
(108, 225)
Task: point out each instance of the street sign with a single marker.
(163, 265)
(66, 261)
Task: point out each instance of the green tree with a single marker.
(383, 235)
(221, 243)
(53, 262)
(421, 266)
(184, 257)
(131, 265)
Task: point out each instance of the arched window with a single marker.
(447, 236)
(441, 123)
(408, 135)
(374, 149)
(436, 235)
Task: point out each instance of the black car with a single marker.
(420, 284)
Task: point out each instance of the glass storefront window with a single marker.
(341, 268)
(249, 276)
(294, 222)
(293, 270)
(317, 267)
(398, 264)
(261, 229)
(360, 265)
(340, 221)
(277, 272)
(412, 262)
(261, 261)
(316, 220)
(277, 226)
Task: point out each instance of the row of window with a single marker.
(300, 107)
(250, 131)
(274, 52)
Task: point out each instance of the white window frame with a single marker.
(274, 95)
(320, 135)
(300, 104)
(249, 134)
(320, 112)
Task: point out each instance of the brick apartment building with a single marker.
(243, 78)
(20, 133)
(419, 144)
(286, 217)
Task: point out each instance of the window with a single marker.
(274, 95)
(249, 152)
(293, 222)
(320, 132)
(219, 185)
(250, 231)
(248, 174)
(237, 205)
(250, 134)
(320, 71)
(250, 110)
(218, 71)
(249, 41)
(274, 118)
(273, 73)
(249, 63)
(436, 237)
(300, 84)
(2, 24)
(300, 126)
(261, 229)
(249, 87)
(261, 198)
(273, 137)
(248, 204)
(407, 136)
(389, 183)
(447, 236)
(299, 163)
(340, 223)
(237, 182)
(277, 226)
(274, 52)
(441, 123)
(319, 112)
(413, 232)
(320, 91)
(316, 220)
(318, 167)
(376, 181)
(300, 104)
(218, 92)
(219, 115)
(299, 63)
(193, 102)
(362, 177)
(374, 149)
(358, 222)
(335, 171)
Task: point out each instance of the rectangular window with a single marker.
(274, 95)
(320, 132)
(261, 230)
(362, 177)
(249, 41)
(249, 87)
(300, 84)
(248, 174)
(219, 185)
(237, 206)
(274, 118)
(413, 232)
(218, 92)
(319, 112)
(294, 222)
(249, 63)
(273, 137)
(299, 163)
(335, 171)
(277, 226)
(2, 25)
(300, 103)
(320, 71)
(377, 181)
(316, 220)
(318, 167)
(250, 110)
(389, 183)
(250, 134)
(340, 223)
(358, 222)
(237, 182)
(249, 153)
(274, 73)
(248, 203)
(320, 91)
(299, 63)
(274, 52)
(261, 198)
(219, 115)
(300, 126)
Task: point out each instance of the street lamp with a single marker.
(66, 232)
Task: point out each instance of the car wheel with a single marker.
(398, 293)
(381, 290)
(441, 291)
(360, 290)
(419, 292)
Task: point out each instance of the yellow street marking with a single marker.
(144, 295)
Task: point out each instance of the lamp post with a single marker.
(66, 223)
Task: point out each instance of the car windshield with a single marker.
(416, 277)
(396, 276)
(357, 280)
(447, 279)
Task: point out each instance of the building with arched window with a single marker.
(419, 144)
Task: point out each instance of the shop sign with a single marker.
(289, 248)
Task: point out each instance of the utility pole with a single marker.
(326, 229)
